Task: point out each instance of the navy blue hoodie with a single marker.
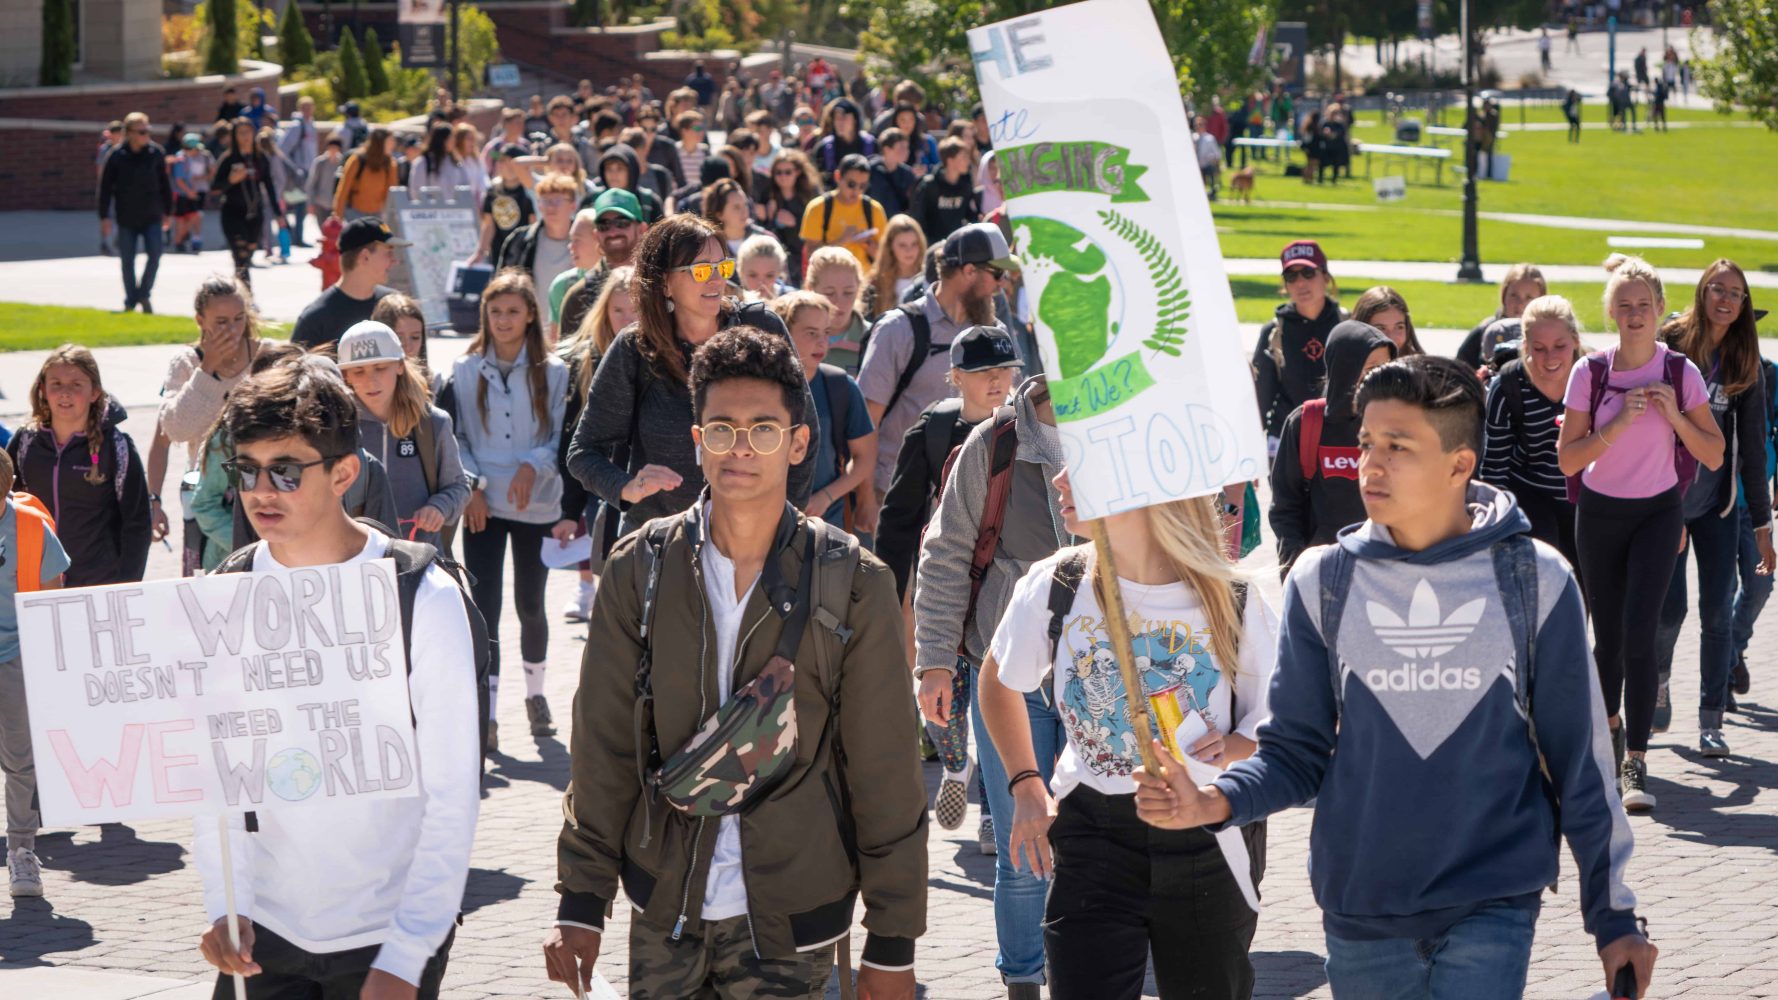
(1429, 804)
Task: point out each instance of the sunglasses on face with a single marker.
(805, 121)
(702, 271)
(615, 222)
(785, 172)
(852, 185)
(1297, 274)
(287, 477)
(762, 439)
(697, 128)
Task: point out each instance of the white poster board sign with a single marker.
(1390, 188)
(1153, 394)
(217, 694)
(444, 233)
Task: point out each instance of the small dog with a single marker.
(1241, 184)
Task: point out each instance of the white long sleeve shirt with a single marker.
(331, 877)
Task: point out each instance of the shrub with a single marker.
(221, 53)
(351, 83)
(375, 74)
(295, 46)
(57, 68)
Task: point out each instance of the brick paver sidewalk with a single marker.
(1705, 872)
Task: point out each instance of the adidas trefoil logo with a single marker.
(1424, 636)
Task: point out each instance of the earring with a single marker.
(670, 305)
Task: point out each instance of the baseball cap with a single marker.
(1303, 253)
(980, 348)
(980, 243)
(360, 233)
(368, 342)
(618, 200)
(512, 151)
(192, 140)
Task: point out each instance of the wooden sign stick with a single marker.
(1118, 624)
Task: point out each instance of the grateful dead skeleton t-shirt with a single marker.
(1171, 639)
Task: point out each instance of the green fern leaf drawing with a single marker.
(1172, 296)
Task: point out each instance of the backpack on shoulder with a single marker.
(923, 348)
(1685, 466)
(1308, 437)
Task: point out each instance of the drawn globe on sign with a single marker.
(1075, 286)
(293, 774)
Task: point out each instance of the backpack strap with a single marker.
(1685, 465)
(839, 409)
(941, 421)
(1004, 446)
(827, 201)
(1512, 385)
(922, 349)
(1515, 574)
(1308, 440)
(1598, 377)
(1336, 578)
(427, 444)
(1064, 585)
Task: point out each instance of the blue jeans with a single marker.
(1755, 589)
(1018, 894)
(1717, 543)
(150, 236)
(1485, 956)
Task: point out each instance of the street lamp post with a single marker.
(1470, 269)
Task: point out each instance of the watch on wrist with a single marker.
(479, 484)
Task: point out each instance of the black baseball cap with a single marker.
(980, 348)
(360, 233)
(980, 243)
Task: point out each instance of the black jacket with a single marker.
(651, 202)
(103, 526)
(912, 492)
(892, 189)
(941, 207)
(1291, 373)
(1744, 430)
(137, 185)
(1311, 511)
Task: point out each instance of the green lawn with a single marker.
(38, 328)
(1437, 304)
(1720, 176)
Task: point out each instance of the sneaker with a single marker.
(24, 872)
(1617, 747)
(580, 608)
(493, 737)
(1663, 709)
(537, 710)
(953, 797)
(984, 837)
(147, 307)
(1741, 682)
(1711, 743)
(1633, 785)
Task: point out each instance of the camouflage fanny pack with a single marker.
(744, 750)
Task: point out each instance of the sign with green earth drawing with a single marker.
(1152, 392)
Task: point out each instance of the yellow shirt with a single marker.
(846, 220)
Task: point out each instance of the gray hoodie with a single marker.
(407, 475)
(1032, 529)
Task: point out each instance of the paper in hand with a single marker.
(569, 554)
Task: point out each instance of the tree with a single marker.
(1744, 68)
(57, 69)
(220, 55)
(586, 14)
(295, 46)
(352, 84)
(376, 76)
(1210, 41)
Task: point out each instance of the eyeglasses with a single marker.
(805, 121)
(287, 477)
(697, 128)
(762, 439)
(702, 270)
(1295, 275)
(609, 223)
(557, 202)
(1723, 291)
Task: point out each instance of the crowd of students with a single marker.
(812, 443)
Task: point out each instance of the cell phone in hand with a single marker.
(1623, 985)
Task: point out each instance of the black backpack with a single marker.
(411, 562)
(915, 312)
(839, 409)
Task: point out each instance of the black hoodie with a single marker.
(689, 200)
(1311, 511)
(104, 526)
(1290, 376)
(652, 209)
(942, 207)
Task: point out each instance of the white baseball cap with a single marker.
(369, 343)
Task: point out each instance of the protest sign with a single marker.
(218, 694)
(1135, 321)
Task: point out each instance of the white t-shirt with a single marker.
(1172, 644)
(552, 259)
(725, 890)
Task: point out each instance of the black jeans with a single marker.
(1124, 891)
(484, 556)
(1627, 552)
(290, 973)
(1553, 523)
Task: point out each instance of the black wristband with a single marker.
(1021, 776)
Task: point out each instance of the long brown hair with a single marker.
(1190, 533)
(1382, 298)
(716, 198)
(673, 242)
(75, 356)
(516, 281)
(1690, 334)
(808, 181)
(882, 272)
(374, 154)
(595, 335)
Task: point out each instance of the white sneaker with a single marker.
(953, 797)
(580, 607)
(24, 872)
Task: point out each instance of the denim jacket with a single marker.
(495, 443)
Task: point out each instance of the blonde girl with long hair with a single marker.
(511, 396)
(72, 456)
(1120, 891)
(901, 261)
(1637, 417)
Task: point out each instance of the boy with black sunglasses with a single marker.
(846, 216)
(382, 920)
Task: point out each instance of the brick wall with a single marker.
(48, 166)
(165, 102)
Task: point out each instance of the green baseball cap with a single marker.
(618, 200)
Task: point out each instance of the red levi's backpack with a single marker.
(1308, 441)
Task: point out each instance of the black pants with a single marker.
(1124, 891)
(1627, 552)
(484, 556)
(1553, 523)
(242, 232)
(291, 973)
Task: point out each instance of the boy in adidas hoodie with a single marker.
(1310, 510)
(1430, 881)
